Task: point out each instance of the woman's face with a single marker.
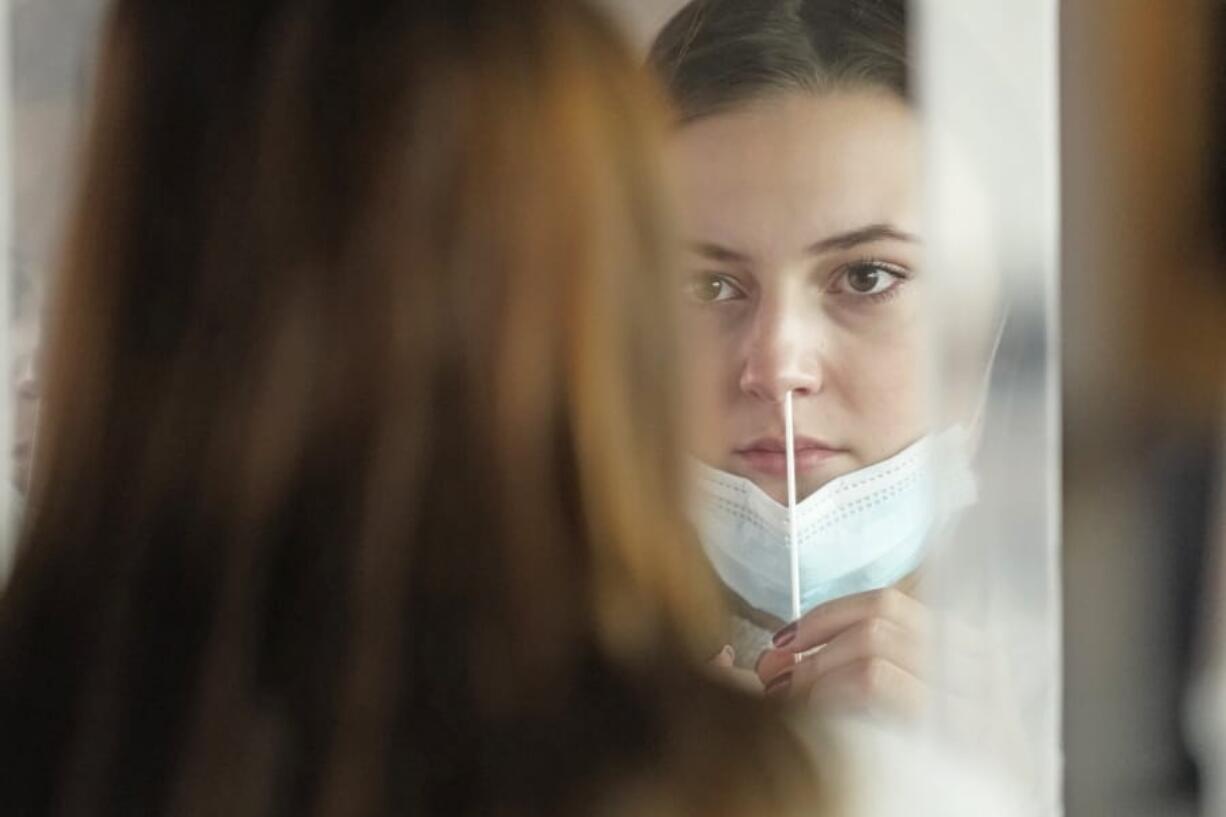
(801, 214)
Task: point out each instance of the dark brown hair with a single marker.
(359, 486)
(717, 54)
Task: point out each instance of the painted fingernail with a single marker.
(785, 636)
(779, 685)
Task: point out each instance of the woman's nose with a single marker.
(782, 357)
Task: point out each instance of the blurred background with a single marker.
(1144, 291)
(1142, 360)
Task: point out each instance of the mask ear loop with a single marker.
(793, 544)
(975, 427)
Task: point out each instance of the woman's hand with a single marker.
(723, 668)
(868, 653)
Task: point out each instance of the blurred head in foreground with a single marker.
(358, 486)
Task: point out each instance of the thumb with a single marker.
(725, 658)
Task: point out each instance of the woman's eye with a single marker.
(710, 289)
(869, 279)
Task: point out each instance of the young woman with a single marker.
(798, 154)
(357, 447)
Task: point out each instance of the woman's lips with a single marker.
(769, 456)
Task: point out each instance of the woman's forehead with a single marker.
(788, 171)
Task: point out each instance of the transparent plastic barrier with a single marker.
(989, 85)
(984, 94)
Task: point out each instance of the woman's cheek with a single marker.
(707, 371)
(888, 390)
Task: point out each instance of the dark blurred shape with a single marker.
(358, 489)
(1217, 147)
(1145, 373)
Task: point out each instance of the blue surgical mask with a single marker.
(863, 531)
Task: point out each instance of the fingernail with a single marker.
(779, 685)
(785, 636)
(728, 651)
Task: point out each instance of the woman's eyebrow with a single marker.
(864, 235)
(842, 241)
(717, 253)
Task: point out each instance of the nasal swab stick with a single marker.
(793, 545)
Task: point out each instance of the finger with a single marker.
(823, 623)
(870, 686)
(874, 638)
(743, 679)
(773, 662)
(870, 638)
(725, 658)
(960, 674)
(722, 668)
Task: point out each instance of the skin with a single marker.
(802, 216)
(802, 219)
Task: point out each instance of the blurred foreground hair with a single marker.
(359, 490)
